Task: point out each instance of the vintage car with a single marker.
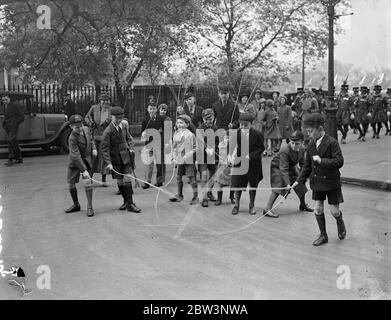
(39, 130)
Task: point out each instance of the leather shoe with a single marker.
(133, 208)
(90, 212)
(123, 206)
(211, 196)
(235, 210)
(176, 198)
(322, 239)
(305, 207)
(10, 162)
(118, 193)
(218, 203)
(72, 208)
(341, 228)
(269, 213)
(252, 211)
(19, 161)
(232, 200)
(195, 200)
(204, 203)
(146, 186)
(159, 184)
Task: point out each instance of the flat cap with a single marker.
(224, 88)
(117, 111)
(207, 113)
(296, 136)
(313, 120)
(76, 118)
(104, 96)
(377, 87)
(245, 116)
(364, 88)
(188, 95)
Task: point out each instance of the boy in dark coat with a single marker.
(252, 144)
(118, 153)
(322, 163)
(82, 150)
(284, 172)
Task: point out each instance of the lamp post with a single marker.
(331, 110)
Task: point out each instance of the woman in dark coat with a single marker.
(284, 172)
(284, 120)
(272, 132)
(253, 174)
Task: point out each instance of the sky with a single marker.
(366, 41)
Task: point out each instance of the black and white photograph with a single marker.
(195, 155)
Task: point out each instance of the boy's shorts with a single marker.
(334, 197)
(186, 170)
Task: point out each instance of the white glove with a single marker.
(85, 174)
(388, 113)
(209, 151)
(110, 167)
(95, 153)
(316, 159)
(295, 184)
(369, 115)
(352, 116)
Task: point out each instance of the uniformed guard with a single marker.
(355, 97)
(378, 111)
(297, 108)
(362, 111)
(82, 149)
(345, 105)
(388, 112)
(118, 152)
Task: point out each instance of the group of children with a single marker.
(223, 158)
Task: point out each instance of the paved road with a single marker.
(176, 252)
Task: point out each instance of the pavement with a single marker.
(178, 251)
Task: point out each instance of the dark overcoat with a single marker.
(324, 176)
(116, 147)
(285, 121)
(284, 170)
(254, 173)
(224, 114)
(13, 117)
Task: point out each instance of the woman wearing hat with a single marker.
(284, 172)
(98, 118)
(245, 106)
(284, 120)
(272, 132)
(276, 99)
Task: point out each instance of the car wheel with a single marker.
(64, 139)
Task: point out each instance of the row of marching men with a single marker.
(362, 109)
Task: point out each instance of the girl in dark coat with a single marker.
(284, 172)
